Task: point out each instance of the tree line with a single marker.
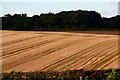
(62, 21)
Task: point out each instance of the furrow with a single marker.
(38, 55)
(88, 60)
(61, 61)
(21, 40)
(100, 59)
(9, 34)
(31, 46)
(105, 59)
(109, 62)
(78, 59)
(25, 44)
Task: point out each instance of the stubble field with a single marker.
(25, 51)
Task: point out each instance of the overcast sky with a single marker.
(107, 8)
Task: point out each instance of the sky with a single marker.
(107, 8)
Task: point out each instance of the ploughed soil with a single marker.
(39, 51)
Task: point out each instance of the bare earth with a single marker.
(58, 51)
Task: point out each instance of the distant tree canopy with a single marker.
(63, 21)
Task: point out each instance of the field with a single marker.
(25, 51)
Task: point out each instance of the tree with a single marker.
(65, 20)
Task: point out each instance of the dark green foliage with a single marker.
(112, 23)
(65, 75)
(63, 21)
